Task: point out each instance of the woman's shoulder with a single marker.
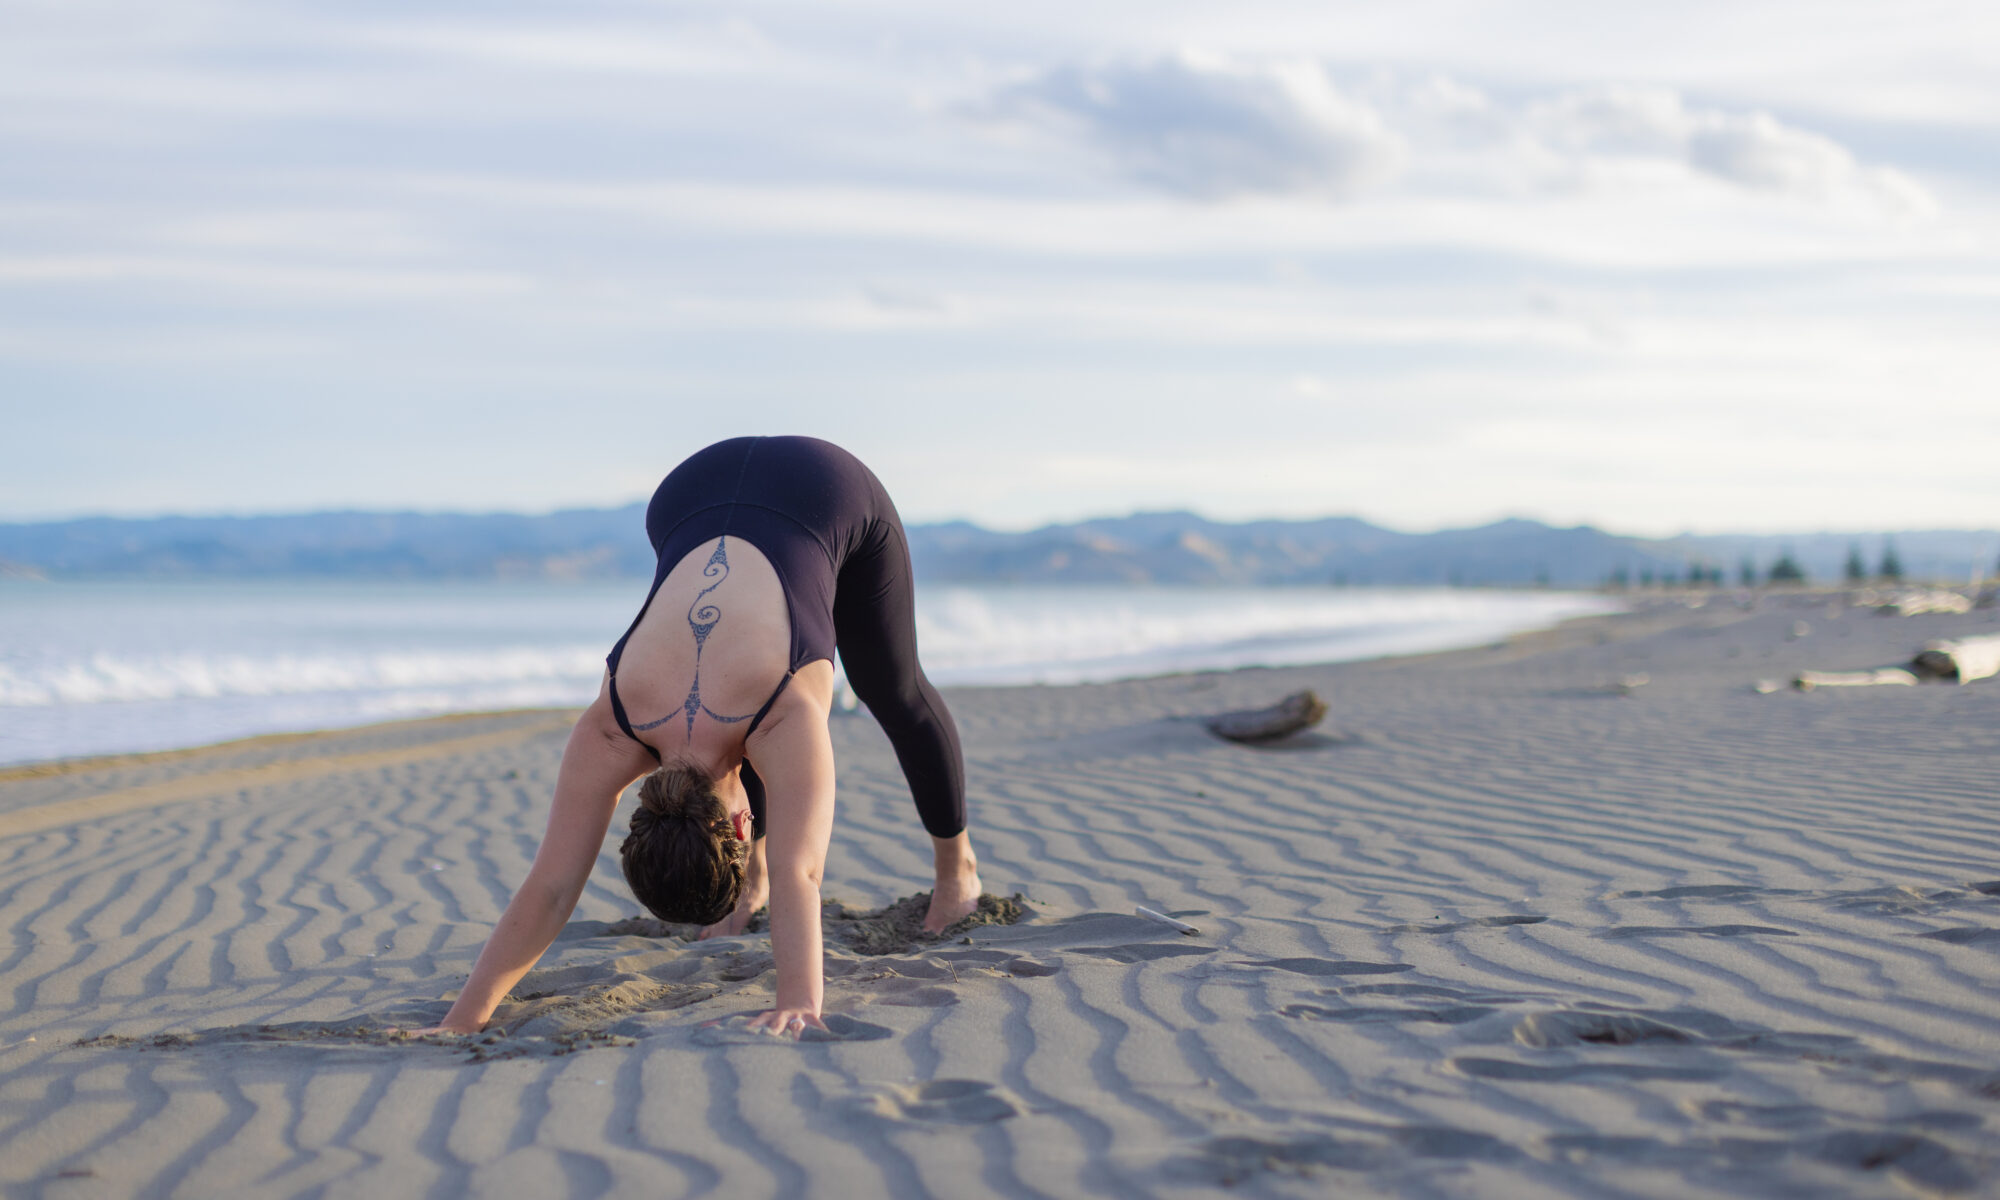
(805, 700)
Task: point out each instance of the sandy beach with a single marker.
(1501, 926)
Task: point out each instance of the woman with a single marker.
(771, 550)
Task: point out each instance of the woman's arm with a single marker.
(596, 766)
(794, 757)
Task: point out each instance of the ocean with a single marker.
(105, 668)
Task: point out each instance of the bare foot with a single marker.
(957, 892)
(952, 902)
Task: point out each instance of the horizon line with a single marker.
(539, 514)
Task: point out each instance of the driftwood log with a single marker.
(1912, 602)
(1300, 710)
(1964, 659)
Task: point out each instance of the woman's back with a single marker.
(711, 649)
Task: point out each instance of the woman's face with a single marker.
(730, 789)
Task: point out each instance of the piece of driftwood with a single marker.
(1960, 659)
(1913, 601)
(1300, 710)
(1808, 680)
(1183, 927)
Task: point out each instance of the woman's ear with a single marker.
(744, 824)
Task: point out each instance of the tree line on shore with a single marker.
(1783, 571)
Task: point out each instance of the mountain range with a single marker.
(1161, 547)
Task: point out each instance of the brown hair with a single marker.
(682, 857)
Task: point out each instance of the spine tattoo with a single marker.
(702, 619)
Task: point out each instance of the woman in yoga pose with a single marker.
(771, 551)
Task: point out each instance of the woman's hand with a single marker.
(440, 1031)
(788, 1022)
(599, 761)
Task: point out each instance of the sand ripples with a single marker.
(1497, 931)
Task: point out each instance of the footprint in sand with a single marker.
(1695, 1032)
(939, 1102)
(1546, 1029)
(1604, 1026)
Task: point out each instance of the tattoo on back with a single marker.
(702, 619)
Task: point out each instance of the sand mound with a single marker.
(899, 928)
(896, 928)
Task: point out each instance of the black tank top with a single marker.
(805, 504)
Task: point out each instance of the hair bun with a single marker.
(683, 858)
(679, 793)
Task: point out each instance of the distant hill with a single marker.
(582, 543)
(1163, 547)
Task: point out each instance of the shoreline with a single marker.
(53, 767)
(48, 767)
(1637, 604)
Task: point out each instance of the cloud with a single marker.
(1749, 149)
(1209, 128)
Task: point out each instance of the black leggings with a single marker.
(828, 528)
(874, 617)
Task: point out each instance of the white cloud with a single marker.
(1210, 128)
(648, 50)
(1751, 149)
(1388, 233)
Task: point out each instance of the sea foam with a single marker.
(94, 669)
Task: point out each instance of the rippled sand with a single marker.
(1496, 929)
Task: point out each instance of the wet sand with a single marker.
(1510, 923)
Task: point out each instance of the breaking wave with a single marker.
(96, 669)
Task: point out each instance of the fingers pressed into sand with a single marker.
(956, 893)
(596, 767)
(787, 1022)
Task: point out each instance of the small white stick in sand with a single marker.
(1806, 681)
(1164, 919)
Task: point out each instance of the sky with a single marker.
(1700, 267)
